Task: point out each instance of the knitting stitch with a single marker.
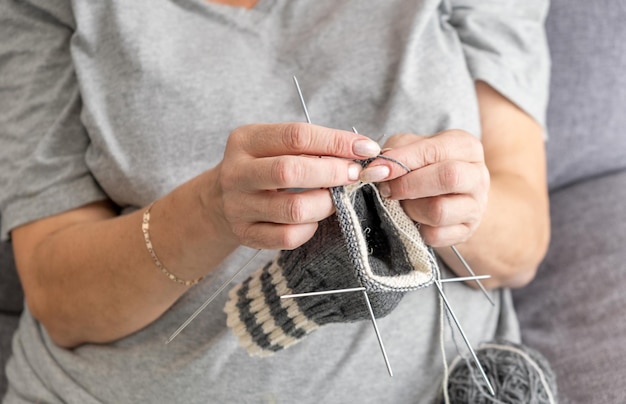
(368, 242)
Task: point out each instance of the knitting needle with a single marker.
(381, 137)
(326, 292)
(380, 340)
(467, 343)
(367, 300)
(469, 269)
(465, 278)
(369, 308)
(329, 292)
(210, 299)
(306, 112)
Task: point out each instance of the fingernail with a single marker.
(384, 189)
(353, 172)
(375, 174)
(366, 148)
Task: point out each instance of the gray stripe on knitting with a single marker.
(351, 241)
(280, 315)
(249, 320)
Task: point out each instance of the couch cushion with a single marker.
(587, 111)
(573, 312)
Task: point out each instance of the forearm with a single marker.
(511, 239)
(92, 279)
(514, 233)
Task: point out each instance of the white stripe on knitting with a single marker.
(261, 310)
(262, 315)
(417, 251)
(293, 310)
(239, 328)
(236, 325)
(419, 254)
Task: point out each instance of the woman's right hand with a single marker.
(272, 183)
(76, 262)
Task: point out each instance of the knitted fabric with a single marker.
(368, 242)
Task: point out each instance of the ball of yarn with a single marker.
(518, 374)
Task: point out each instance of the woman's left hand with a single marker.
(446, 190)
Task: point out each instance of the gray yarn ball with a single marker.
(518, 374)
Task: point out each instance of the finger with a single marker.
(284, 172)
(445, 236)
(444, 211)
(261, 140)
(416, 152)
(282, 207)
(272, 236)
(447, 177)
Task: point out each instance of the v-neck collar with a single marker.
(258, 11)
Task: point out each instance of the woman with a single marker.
(115, 107)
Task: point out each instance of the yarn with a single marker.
(517, 373)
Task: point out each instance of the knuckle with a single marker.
(450, 177)
(237, 137)
(243, 232)
(437, 212)
(297, 136)
(338, 147)
(228, 179)
(402, 187)
(295, 209)
(285, 171)
(432, 152)
(231, 211)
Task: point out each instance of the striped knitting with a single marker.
(369, 242)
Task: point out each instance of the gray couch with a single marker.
(573, 311)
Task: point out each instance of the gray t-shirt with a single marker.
(127, 100)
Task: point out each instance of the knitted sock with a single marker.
(369, 242)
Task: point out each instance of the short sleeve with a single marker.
(505, 45)
(42, 141)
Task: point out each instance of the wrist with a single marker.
(186, 231)
(211, 206)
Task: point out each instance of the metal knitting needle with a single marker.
(381, 137)
(469, 269)
(210, 299)
(467, 343)
(306, 112)
(380, 340)
(326, 292)
(369, 308)
(367, 300)
(465, 278)
(330, 292)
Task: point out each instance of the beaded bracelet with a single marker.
(145, 227)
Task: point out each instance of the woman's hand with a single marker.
(446, 190)
(489, 196)
(273, 178)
